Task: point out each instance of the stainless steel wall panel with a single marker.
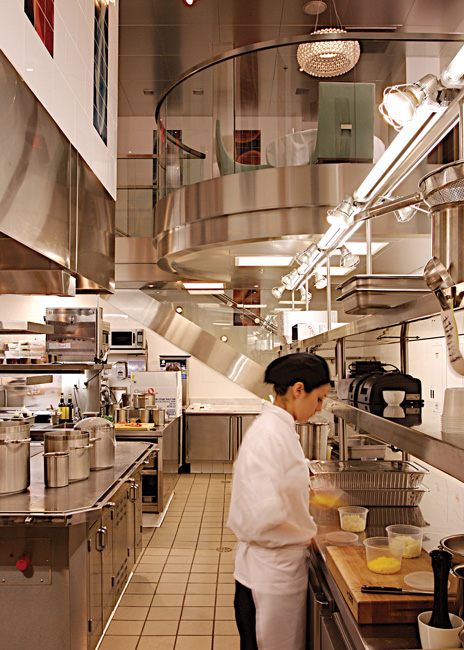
(95, 233)
(34, 181)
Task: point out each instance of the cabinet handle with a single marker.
(101, 538)
(133, 492)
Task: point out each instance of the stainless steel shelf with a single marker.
(431, 448)
(50, 368)
(24, 327)
(423, 307)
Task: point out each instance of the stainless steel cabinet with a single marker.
(208, 438)
(215, 437)
(134, 517)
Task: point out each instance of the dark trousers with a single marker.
(245, 616)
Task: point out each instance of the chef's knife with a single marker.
(394, 590)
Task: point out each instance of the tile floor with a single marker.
(181, 594)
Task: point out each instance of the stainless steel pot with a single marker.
(157, 416)
(15, 444)
(121, 415)
(314, 436)
(104, 442)
(76, 444)
(143, 400)
(139, 415)
(455, 545)
(56, 469)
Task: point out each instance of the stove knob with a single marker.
(23, 563)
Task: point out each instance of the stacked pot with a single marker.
(103, 441)
(73, 444)
(14, 456)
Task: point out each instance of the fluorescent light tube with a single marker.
(263, 260)
(203, 285)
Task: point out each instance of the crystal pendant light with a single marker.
(328, 58)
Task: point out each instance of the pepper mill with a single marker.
(441, 565)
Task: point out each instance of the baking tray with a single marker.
(380, 282)
(361, 446)
(366, 474)
(372, 497)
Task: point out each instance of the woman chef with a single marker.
(269, 509)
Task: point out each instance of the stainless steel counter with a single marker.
(433, 516)
(78, 501)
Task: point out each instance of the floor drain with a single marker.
(223, 549)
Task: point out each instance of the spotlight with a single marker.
(291, 280)
(401, 102)
(224, 338)
(305, 257)
(340, 215)
(179, 309)
(278, 291)
(320, 281)
(348, 259)
(305, 295)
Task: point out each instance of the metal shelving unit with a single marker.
(24, 327)
(49, 368)
(446, 455)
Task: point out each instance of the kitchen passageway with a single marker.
(181, 594)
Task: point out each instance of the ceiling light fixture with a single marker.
(224, 338)
(305, 295)
(340, 215)
(401, 102)
(348, 259)
(190, 2)
(278, 291)
(263, 260)
(320, 281)
(203, 285)
(328, 58)
(291, 280)
(179, 309)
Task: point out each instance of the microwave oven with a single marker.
(130, 339)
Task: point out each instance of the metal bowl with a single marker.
(454, 544)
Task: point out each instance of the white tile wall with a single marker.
(64, 83)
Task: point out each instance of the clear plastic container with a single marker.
(383, 554)
(353, 518)
(411, 536)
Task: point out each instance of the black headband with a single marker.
(311, 369)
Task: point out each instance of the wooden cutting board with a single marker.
(133, 427)
(347, 564)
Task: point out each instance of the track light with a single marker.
(224, 338)
(304, 294)
(179, 309)
(306, 256)
(340, 215)
(320, 281)
(278, 291)
(348, 259)
(291, 280)
(401, 102)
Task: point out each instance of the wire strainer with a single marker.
(444, 185)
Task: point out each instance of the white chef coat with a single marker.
(269, 514)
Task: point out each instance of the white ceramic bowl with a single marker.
(437, 637)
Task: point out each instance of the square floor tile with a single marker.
(193, 643)
(224, 614)
(203, 577)
(145, 577)
(164, 613)
(227, 588)
(141, 588)
(174, 577)
(201, 588)
(124, 628)
(200, 600)
(190, 628)
(171, 588)
(160, 628)
(227, 628)
(167, 600)
(136, 600)
(224, 643)
(197, 613)
(130, 613)
(119, 643)
(226, 600)
(154, 643)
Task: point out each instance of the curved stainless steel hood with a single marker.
(200, 228)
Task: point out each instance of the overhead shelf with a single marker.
(24, 327)
(431, 448)
(49, 368)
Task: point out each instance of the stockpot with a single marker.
(104, 442)
(140, 415)
(143, 400)
(314, 437)
(157, 416)
(76, 443)
(15, 469)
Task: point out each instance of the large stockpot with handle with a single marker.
(76, 444)
(103, 439)
(15, 445)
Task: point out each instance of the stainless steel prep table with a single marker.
(81, 543)
(159, 477)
